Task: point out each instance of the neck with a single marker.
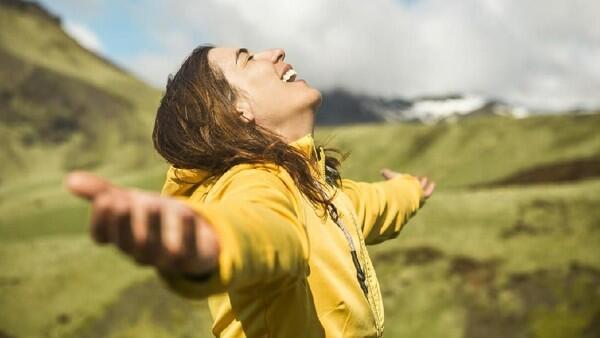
(298, 127)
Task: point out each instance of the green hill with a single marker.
(63, 107)
(473, 151)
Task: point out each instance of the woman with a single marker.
(253, 214)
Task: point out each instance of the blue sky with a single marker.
(536, 53)
(121, 32)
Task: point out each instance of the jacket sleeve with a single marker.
(261, 236)
(384, 207)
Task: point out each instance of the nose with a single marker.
(274, 55)
(278, 54)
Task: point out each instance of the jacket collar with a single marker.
(182, 182)
(306, 144)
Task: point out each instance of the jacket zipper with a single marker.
(372, 299)
(360, 273)
(333, 213)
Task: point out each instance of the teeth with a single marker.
(288, 75)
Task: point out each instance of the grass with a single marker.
(54, 273)
(37, 208)
(54, 277)
(497, 262)
(478, 257)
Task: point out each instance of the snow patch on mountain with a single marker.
(434, 109)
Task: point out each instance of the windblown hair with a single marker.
(198, 127)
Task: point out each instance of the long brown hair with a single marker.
(198, 127)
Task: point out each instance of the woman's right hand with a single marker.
(152, 229)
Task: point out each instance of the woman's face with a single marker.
(270, 93)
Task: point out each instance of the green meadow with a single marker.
(481, 259)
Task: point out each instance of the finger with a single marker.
(100, 220)
(86, 185)
(190, 235)
(154, 242)
(178, 240)
(207, 244)
(429, 189)
(139, 227)
(192, 239)
(114, 215)
(151, 245)
(121, 231)
(172, 230)
(388, 174)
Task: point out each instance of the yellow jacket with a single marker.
(283, 270)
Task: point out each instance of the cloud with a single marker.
(154, 67)
(85, 36)
(539, 53)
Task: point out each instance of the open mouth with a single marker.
(289, 76)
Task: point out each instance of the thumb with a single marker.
(86, 185)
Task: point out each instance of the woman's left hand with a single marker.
(427, 185)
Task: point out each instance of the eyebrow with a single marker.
(238, 52)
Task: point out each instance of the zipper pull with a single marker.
(360, 274)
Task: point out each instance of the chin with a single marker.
(308, 98)
(315, 98)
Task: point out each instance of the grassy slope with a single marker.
(41, 43)
(456, 262)
(476, 150)
(465, 252)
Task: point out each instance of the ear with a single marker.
(245, 111)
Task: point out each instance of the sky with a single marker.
(541, 54)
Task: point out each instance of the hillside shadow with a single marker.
(558, 172)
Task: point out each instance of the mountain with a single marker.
(61, 105)
(340, 106)
(344, 107)
(432, 109)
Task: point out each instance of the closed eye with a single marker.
(249, 57)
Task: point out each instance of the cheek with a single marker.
(266, 91)
(259, 88)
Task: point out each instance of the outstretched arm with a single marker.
(384, 207)
(153, 230)
(251, 233)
